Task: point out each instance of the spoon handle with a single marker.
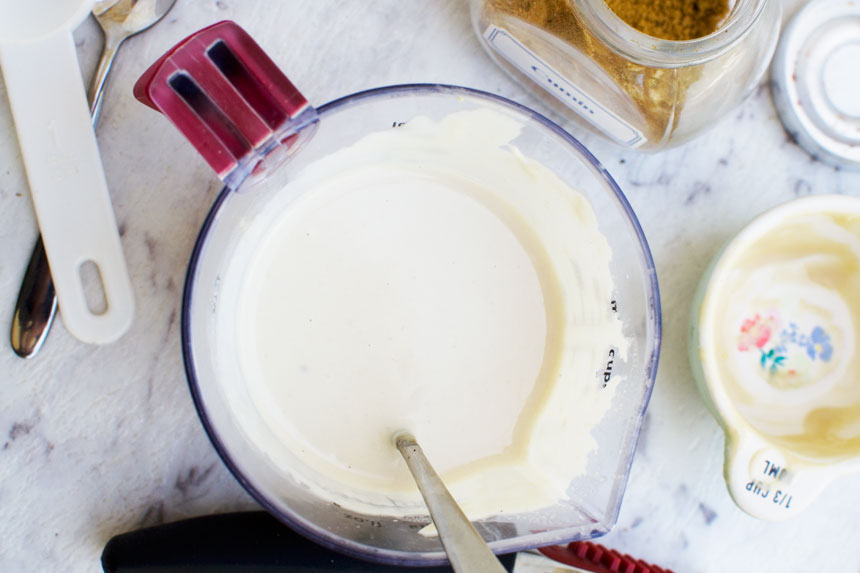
(97, 86)
(466, 549)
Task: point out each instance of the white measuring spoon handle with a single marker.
(67, 182)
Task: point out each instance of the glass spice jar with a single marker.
(638, 91)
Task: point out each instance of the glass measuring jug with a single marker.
(219, 74)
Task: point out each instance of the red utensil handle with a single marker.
(227, 97)
(597, 558)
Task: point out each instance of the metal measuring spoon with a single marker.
(467, 551)
(37, 300)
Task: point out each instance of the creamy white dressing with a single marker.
(429, 278)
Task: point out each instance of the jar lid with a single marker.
(816, 84)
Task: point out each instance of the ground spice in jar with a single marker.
(672, 19)
(658, 93)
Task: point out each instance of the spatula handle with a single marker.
(246, 541)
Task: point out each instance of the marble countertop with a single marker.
(96, 441)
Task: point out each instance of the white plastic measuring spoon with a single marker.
(61, 156)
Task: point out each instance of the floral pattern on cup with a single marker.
(766, 334)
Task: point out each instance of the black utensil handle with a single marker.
(235, 542)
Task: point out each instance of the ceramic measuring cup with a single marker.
(774, 351)
(64, 169)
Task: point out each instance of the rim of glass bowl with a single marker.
(321, 536)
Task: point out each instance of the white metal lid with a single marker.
(816, 80)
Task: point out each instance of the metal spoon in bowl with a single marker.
(465, 547)
(37, 300)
